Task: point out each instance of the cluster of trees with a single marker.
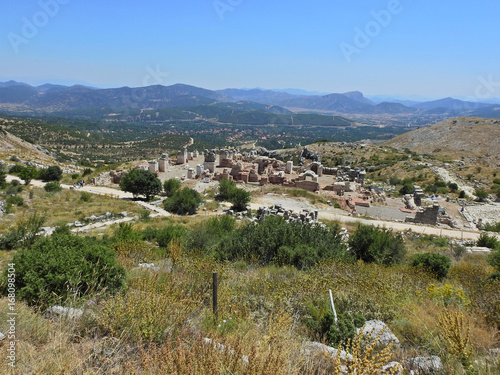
(29, 172)
(180, 201)
(229, 192)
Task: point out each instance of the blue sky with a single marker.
(428, 48)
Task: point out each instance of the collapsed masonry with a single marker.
(252, 167)
(305, 216)
(432, 215)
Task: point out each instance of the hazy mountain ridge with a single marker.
(56, 98)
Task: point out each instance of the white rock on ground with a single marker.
(375, 326)
(424, 365)
(66, 312)
(312, 348)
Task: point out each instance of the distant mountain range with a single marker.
(50, 98)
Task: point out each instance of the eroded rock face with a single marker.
(372, 328)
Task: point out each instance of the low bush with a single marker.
(165, 235)
(335, 333)
(171, 186)
(494, 258)
(486, 240)
(64, 266)
(85, 197)
(24, 233)
(52, 187)
(481, 195)
(377, 245)
(238, 197)
(185, 201)
(86, 172)
(52, 173)
(209, 233)
(14, 200)
(263, 242)
(437, 264)
(3, 177)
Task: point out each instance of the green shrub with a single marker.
(263, 242)
(440, 183)
(210, 232)
(461, 195)
(149, 234)
(28, 173)
(62, 267)
(52, 173)
(24, 233)
(481, 195)
(406, 189)
(395, 181)
(145, 216)
(85, 197)
(14, 188)
(431, 189)
(437, 264)
(495, 227)
(171, 186)
(185, 201)
(494, 258)
(86, 172)
(14, 200)
(3, 177)
(442, 190)
(301, 256)
(486, 240)
(229, 192)
(438, 241)
(341, 331)
(15, 169)
(495, 276)
(126, 232)
(376, 245)
(53, 186)
(167, 234)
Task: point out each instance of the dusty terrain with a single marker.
(456, 137)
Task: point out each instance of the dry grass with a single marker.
(66, 207)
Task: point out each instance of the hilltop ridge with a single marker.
(456, 136)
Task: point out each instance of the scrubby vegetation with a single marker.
(183, 202)
(53, 270)
(274, 279)
(437, 264)
(229, 192)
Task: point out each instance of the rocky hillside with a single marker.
(10, 145)
(454, 137)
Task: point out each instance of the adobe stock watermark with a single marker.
(364, 36)
(153, 76)
(486, 87)
(224, 6)
(11, 315)
(31, 25)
